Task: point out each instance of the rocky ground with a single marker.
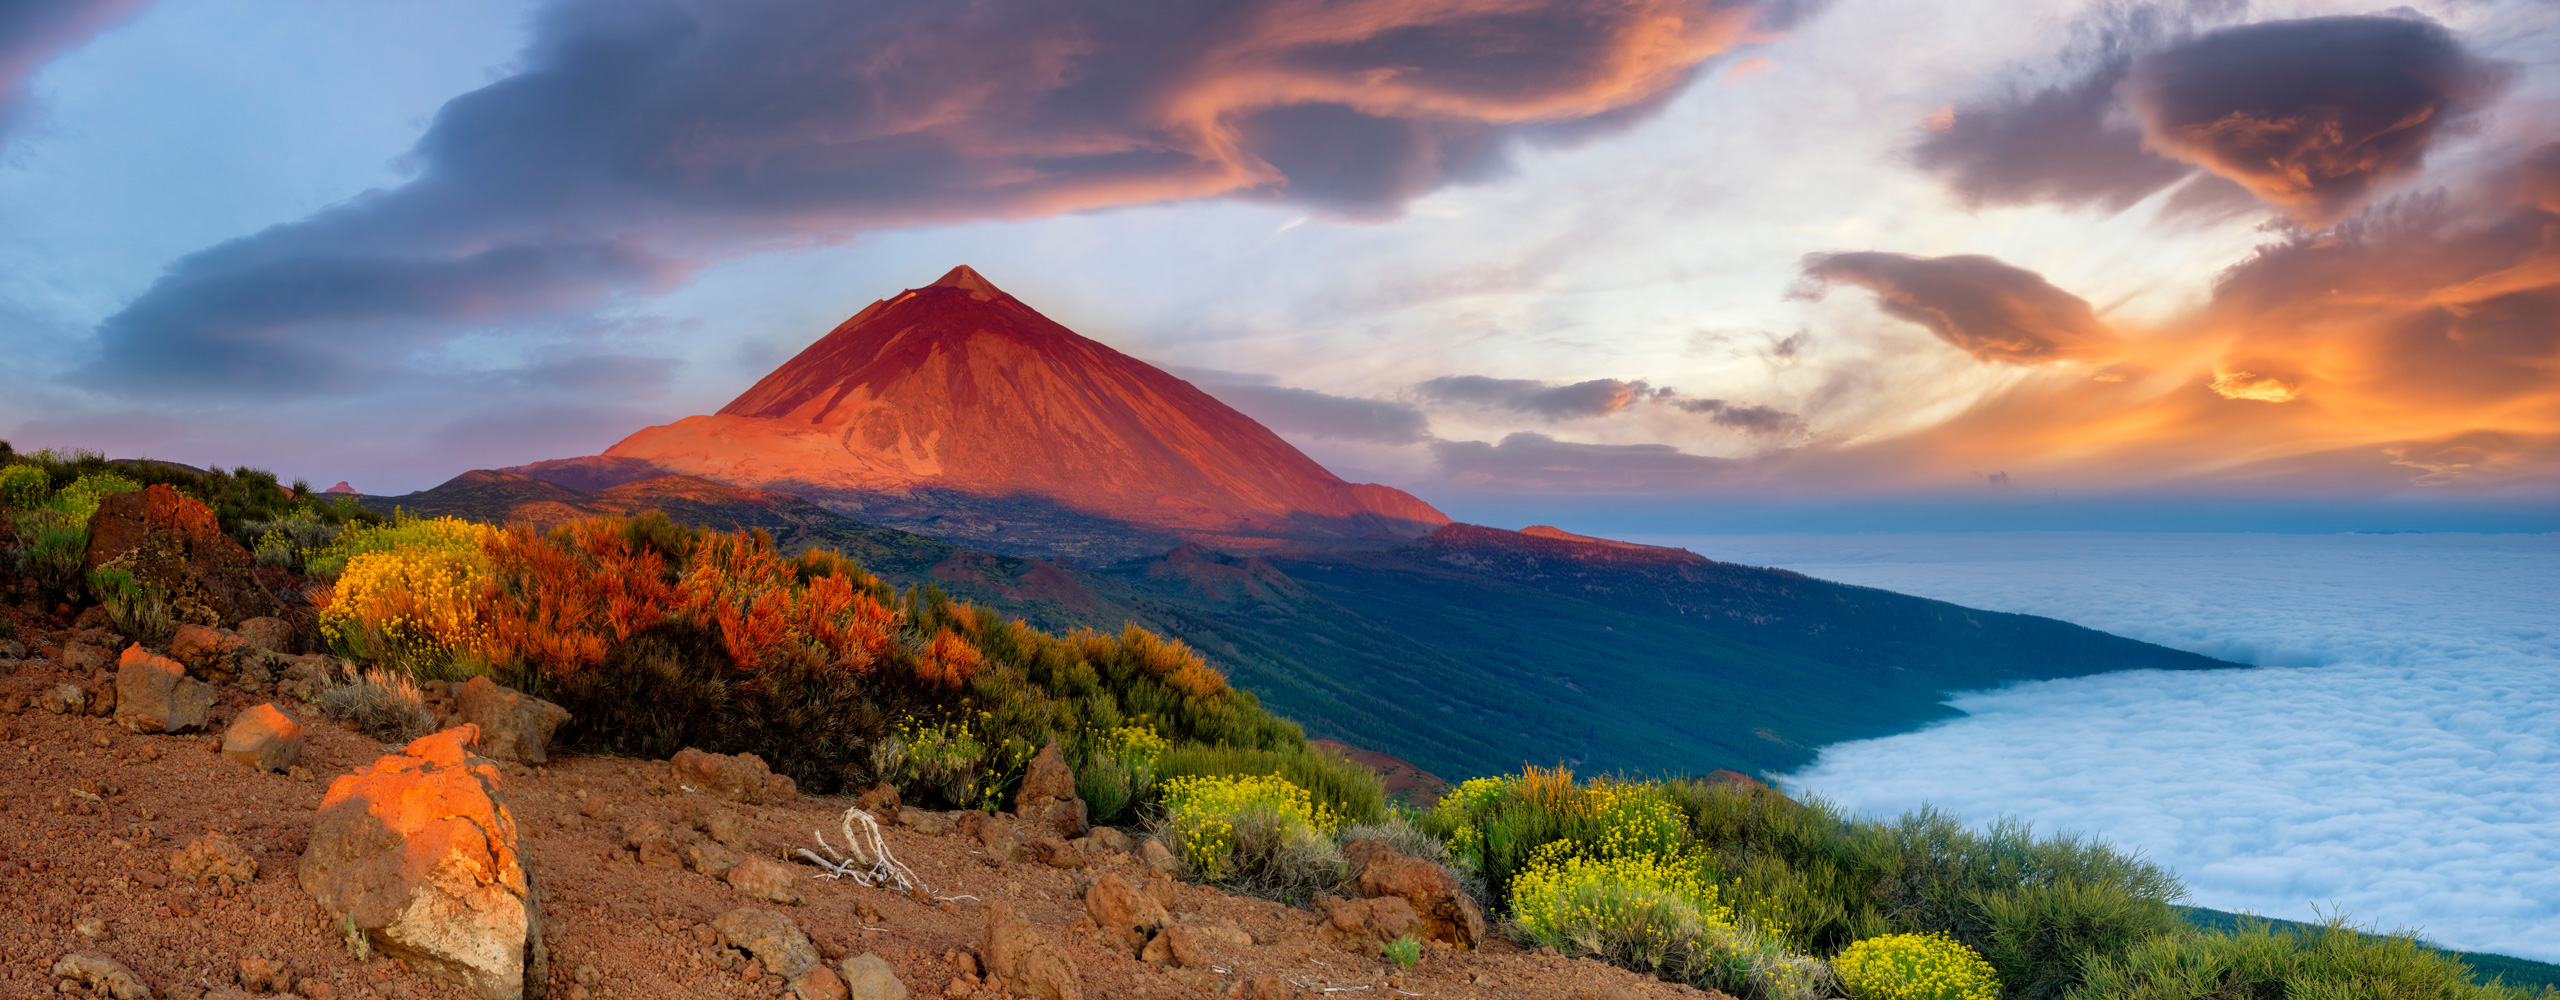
(163, 854)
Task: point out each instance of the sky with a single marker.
(2393, 757)
(1628, 265)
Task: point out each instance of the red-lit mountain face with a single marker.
(957, 411)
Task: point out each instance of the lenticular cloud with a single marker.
(2396, 756)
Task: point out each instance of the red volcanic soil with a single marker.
(960, 387)
(1405, 782)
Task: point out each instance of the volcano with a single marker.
(955, 410)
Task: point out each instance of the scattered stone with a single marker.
(513, 725)
(418, 852)
(1047, 800)
(731, 832)
(649, 840)
(1268, 987)
(1123, 915)
(155, 695)
(265, 739)
(995, 837)
(740, 777)
(930, 824)
(265, 975)
(1178, 947)
(1111, 839)
(90, 928)
(65, 699)
(868, 977)
(881, 801)
(1224, 930)
(82, 658)
(102, 975)
(773, 938)
(1361, 924)
(213, 654)
(274, 635)
(765, 879)
(213, 856)
(1027, 962)
(1157, 858)
(314, 989)
(175, 545)
(710, 858)
(1057, 853)
(1446, 911)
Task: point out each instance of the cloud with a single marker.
(2312, 115)
(1307, 411)
(642, 136)
(1753, 419)
(2396, 760)
(1597, 397)
(34, 32)
(1537, 463)
(1991, 310)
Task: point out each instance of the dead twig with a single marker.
(871, 864)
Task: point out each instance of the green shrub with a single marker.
(24, 485)
(138, 609)
(1116, 768)
(1800, 866)
(1657, 915)
(1403, 951)
(1345, 790)
(383, 704)
(2333, 960)
(1254, 834)
(1914, 967)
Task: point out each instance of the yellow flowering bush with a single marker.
(410, 594)
(442, 533)
(24, 485)
(1631, 907)
(1207, 817)
(1915, 967)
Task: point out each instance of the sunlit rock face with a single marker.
(958, 390)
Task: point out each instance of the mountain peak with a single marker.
(969, 280)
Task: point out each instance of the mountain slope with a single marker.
(957, 407)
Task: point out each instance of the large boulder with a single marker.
(1047, 800)
(1446, 912)
(513, 725)
(1027, 962)
(264, 738)
(741, 777)
(155, 695)
(174, 545)
(418, 852)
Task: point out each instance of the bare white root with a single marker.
(870, 862)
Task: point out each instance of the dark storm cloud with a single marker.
(1536, 462)
(2312, 114)
(640, 133)
(1752, 419)
(33, 32)
(1991, 310)
(1597, 397)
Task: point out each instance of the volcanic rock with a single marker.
(740, 777)
(1124, 915)
(213, 856)
(773, 938)
(513, 725)
(174, 545)
(264, 738)
(102, 975)
(868, 977)
(1028, 963)
(765, 879)
(1047, 800)
(418, 852)
(1445, 910)
(212, 654)
(155, 695)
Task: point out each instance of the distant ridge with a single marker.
(954, 408)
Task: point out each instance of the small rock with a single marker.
(930, 824)
(1175, 946)
(102, 974)
(264, 739)
(764, 879)
(1047, 800)
(994, 836)
(881, 801)
(155, 695)
(1124, 915)
(265, 975)
(868, 977)
(1269, 987)
(1057, 853)
(513, 725)
(314, 989)
(82, 658)
(1446, 911)
(710, 858)
(1111, 839)
(1027, 962)
(65, 699)
(730, 831)
(649, 840)
(1158, 859)
(819, 983)
(213, 654)
(1223, 930)
(274, 635)
(213, 856)
(740, 777)
(91, 928)
(773, 938)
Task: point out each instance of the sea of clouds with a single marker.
(2395, 753)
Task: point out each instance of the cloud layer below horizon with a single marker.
(2394, 758)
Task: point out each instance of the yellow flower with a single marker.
(1915, 967)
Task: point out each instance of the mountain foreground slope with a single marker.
(956, 408)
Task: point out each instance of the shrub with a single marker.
(1914, 967)
(414, 604)
(383, 705)
(2333, 959)
(1403, 951)
(24, 485)
(1498, 827)
(1116, 768)
(1254, 834)
(1343, 789)
(1638, 911)
(138, 609)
